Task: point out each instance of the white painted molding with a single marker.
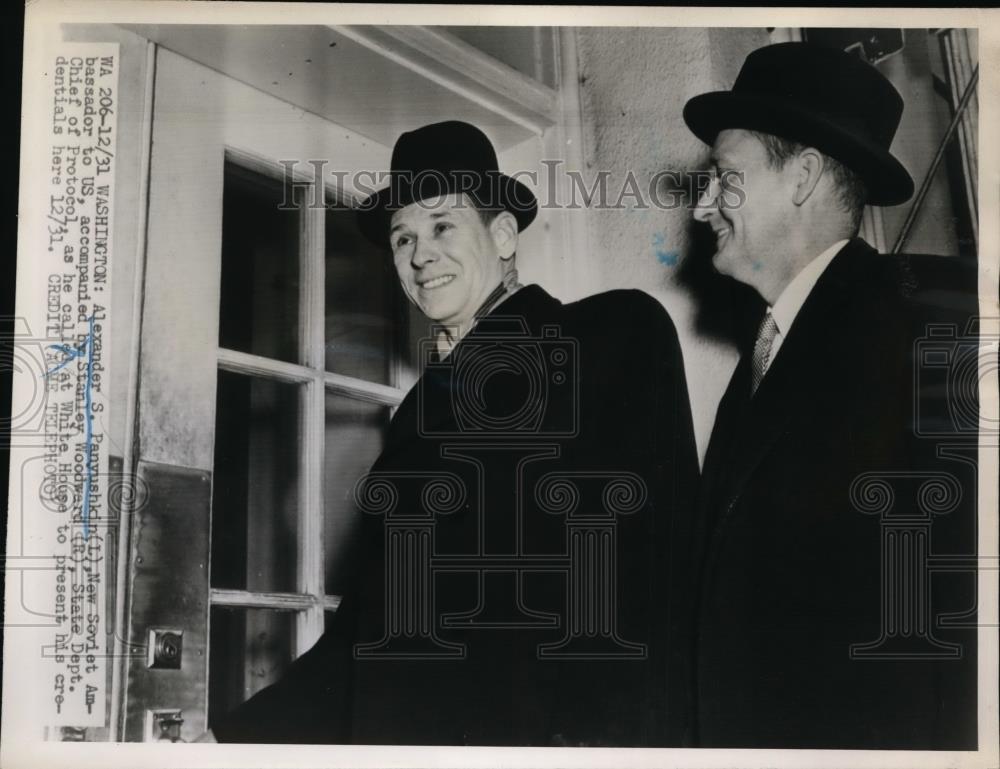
(256, 599)
(293, 373)
(463, 69)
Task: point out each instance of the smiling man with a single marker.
(809, 629)
(514, 583)
(453, 260)
(754, 242)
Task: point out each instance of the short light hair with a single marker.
(851, 190)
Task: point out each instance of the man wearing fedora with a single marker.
(797, 634)
(545, 460)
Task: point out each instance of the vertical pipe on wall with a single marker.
(568, 135)
(958, 64)
(918, 200)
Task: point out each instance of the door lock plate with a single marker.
(165, 647)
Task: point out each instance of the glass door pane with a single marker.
(362, 295)
(259, 311)
(250, 649)
(255, 491)
(354, 436)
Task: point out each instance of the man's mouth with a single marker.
(441, 280)
(721, 234)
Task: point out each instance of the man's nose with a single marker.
(707, 201)
(423, 253)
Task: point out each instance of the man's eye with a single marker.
(401, 241)
(730, 178)
(441, 227)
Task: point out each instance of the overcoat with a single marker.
(824, 615)
(514, 574)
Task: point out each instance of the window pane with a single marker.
(354, 434)
(255, 497)
(361, 295)
(249, 649)
(259, 311)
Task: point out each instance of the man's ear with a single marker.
(503, 228)
(810, 167)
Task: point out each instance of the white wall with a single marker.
(634, 83)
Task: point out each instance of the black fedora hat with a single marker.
(440, 159)
(823, 97)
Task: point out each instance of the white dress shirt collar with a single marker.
(795, 294)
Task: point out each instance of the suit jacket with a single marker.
(813, 499)
(557, 436)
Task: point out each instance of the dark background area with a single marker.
(11, 41)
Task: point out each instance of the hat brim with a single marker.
(375, 212)
(887, 181)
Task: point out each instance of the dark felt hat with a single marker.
(440, 159)
(822, 97)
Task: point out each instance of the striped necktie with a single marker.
(762, 350)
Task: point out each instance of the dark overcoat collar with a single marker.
(427, 408)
